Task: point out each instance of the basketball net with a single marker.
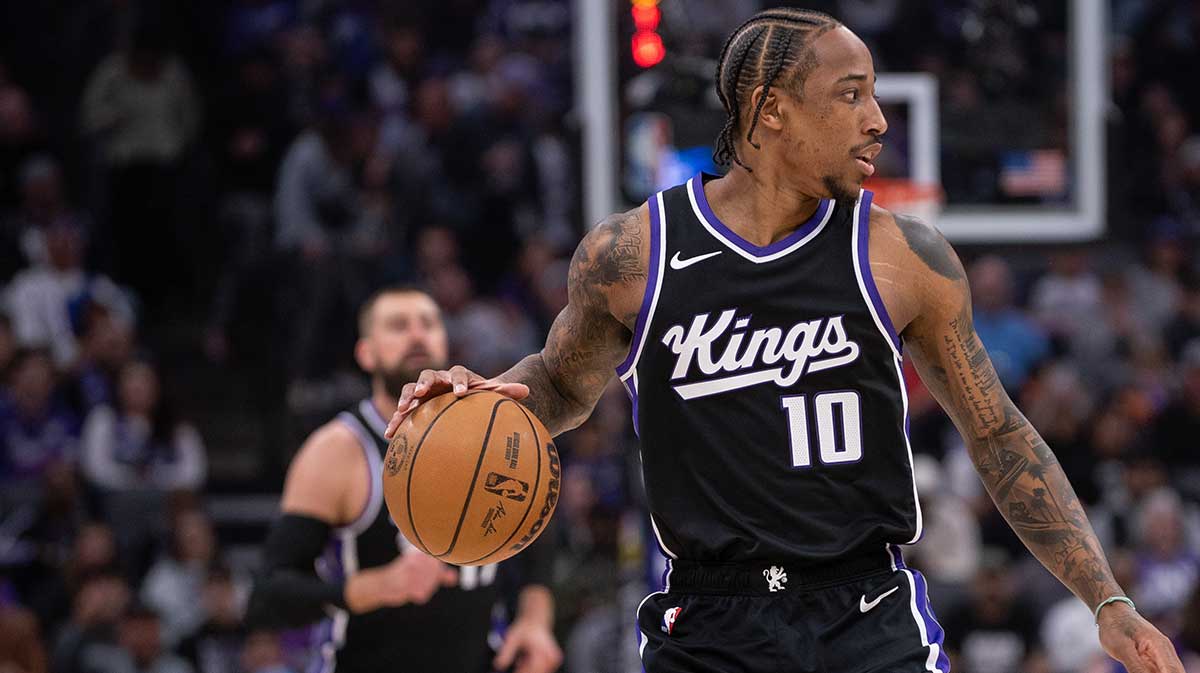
(908, 197)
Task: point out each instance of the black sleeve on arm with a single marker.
(287, 591)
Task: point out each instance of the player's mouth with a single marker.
(865, 158)
(420, 355)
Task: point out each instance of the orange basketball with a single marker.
(471, 480)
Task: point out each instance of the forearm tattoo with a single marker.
(586, 342)
(1018, 469)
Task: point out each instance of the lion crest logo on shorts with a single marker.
(669, 618)
(776, 578)
(504, 485)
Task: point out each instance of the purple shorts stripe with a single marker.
(322, 663)
(932, 628)
(864, 261)
(640, 327)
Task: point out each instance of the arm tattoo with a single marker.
(1020, 471)
(930, 246)
(586, 341)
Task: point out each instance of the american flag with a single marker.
(1033, 173)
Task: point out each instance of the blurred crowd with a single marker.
(193, 202)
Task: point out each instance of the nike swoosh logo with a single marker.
(677, 263)
(865, 607)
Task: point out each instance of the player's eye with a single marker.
(850, 95)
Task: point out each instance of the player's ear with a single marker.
(770, 116)
(363, 356)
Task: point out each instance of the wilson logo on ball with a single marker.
(551, 499)
(509, 487)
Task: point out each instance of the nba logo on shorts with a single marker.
(669, 616)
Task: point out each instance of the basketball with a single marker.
(471, 480)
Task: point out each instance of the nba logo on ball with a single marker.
(669, 616)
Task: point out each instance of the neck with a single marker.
(384, 403)
(760, 206)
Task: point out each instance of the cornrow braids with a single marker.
(784, 49)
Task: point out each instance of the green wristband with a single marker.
(1113, 599)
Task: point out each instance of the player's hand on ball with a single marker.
(531, 646)
(1130, 639)
(413, 577)
(434, 382)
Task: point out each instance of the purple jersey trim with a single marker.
(803, 230)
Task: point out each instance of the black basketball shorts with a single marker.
(859, 615)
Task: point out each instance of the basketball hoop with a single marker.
(908, 197)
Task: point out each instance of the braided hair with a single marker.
(771, 43)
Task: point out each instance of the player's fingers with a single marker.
(449, 577)
(1166, 660)
(406, 395)
(460, 379)
(508, 652)
(403, 409)
(422, 592)
(428, 380)
(543, 660)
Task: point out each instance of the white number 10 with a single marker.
(831, 450)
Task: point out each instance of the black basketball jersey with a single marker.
(449, 633)
(767, 390)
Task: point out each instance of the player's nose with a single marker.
(875, 123)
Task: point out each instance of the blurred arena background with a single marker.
(194, 197)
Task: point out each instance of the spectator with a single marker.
(221, 641)
(1184, 196)
(949, 524)
(474, 323)
(43, 206)
(37, 431)
(1015, 343)
(1108, 350)
(19, 132)
(140, 102)
(1168, 566)
(392, 78)
(142, 110)
(327, 237)
(138, 454)
(49, 302)
(8, 342)
(174, 587)
(140, 444)
(139, 648)
(1184, 325)
(1069, 637)
(263, 654)
(1066, 299)
(97, 608)
(21, 649)
(995, 632)
(1154, 285)
(104, 349)
(93, 553)
(1179, 425)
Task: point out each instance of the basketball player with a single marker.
(758, 321)
(336, 555)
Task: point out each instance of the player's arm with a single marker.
(1018, 469)
(288, 592)
(588, 339)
